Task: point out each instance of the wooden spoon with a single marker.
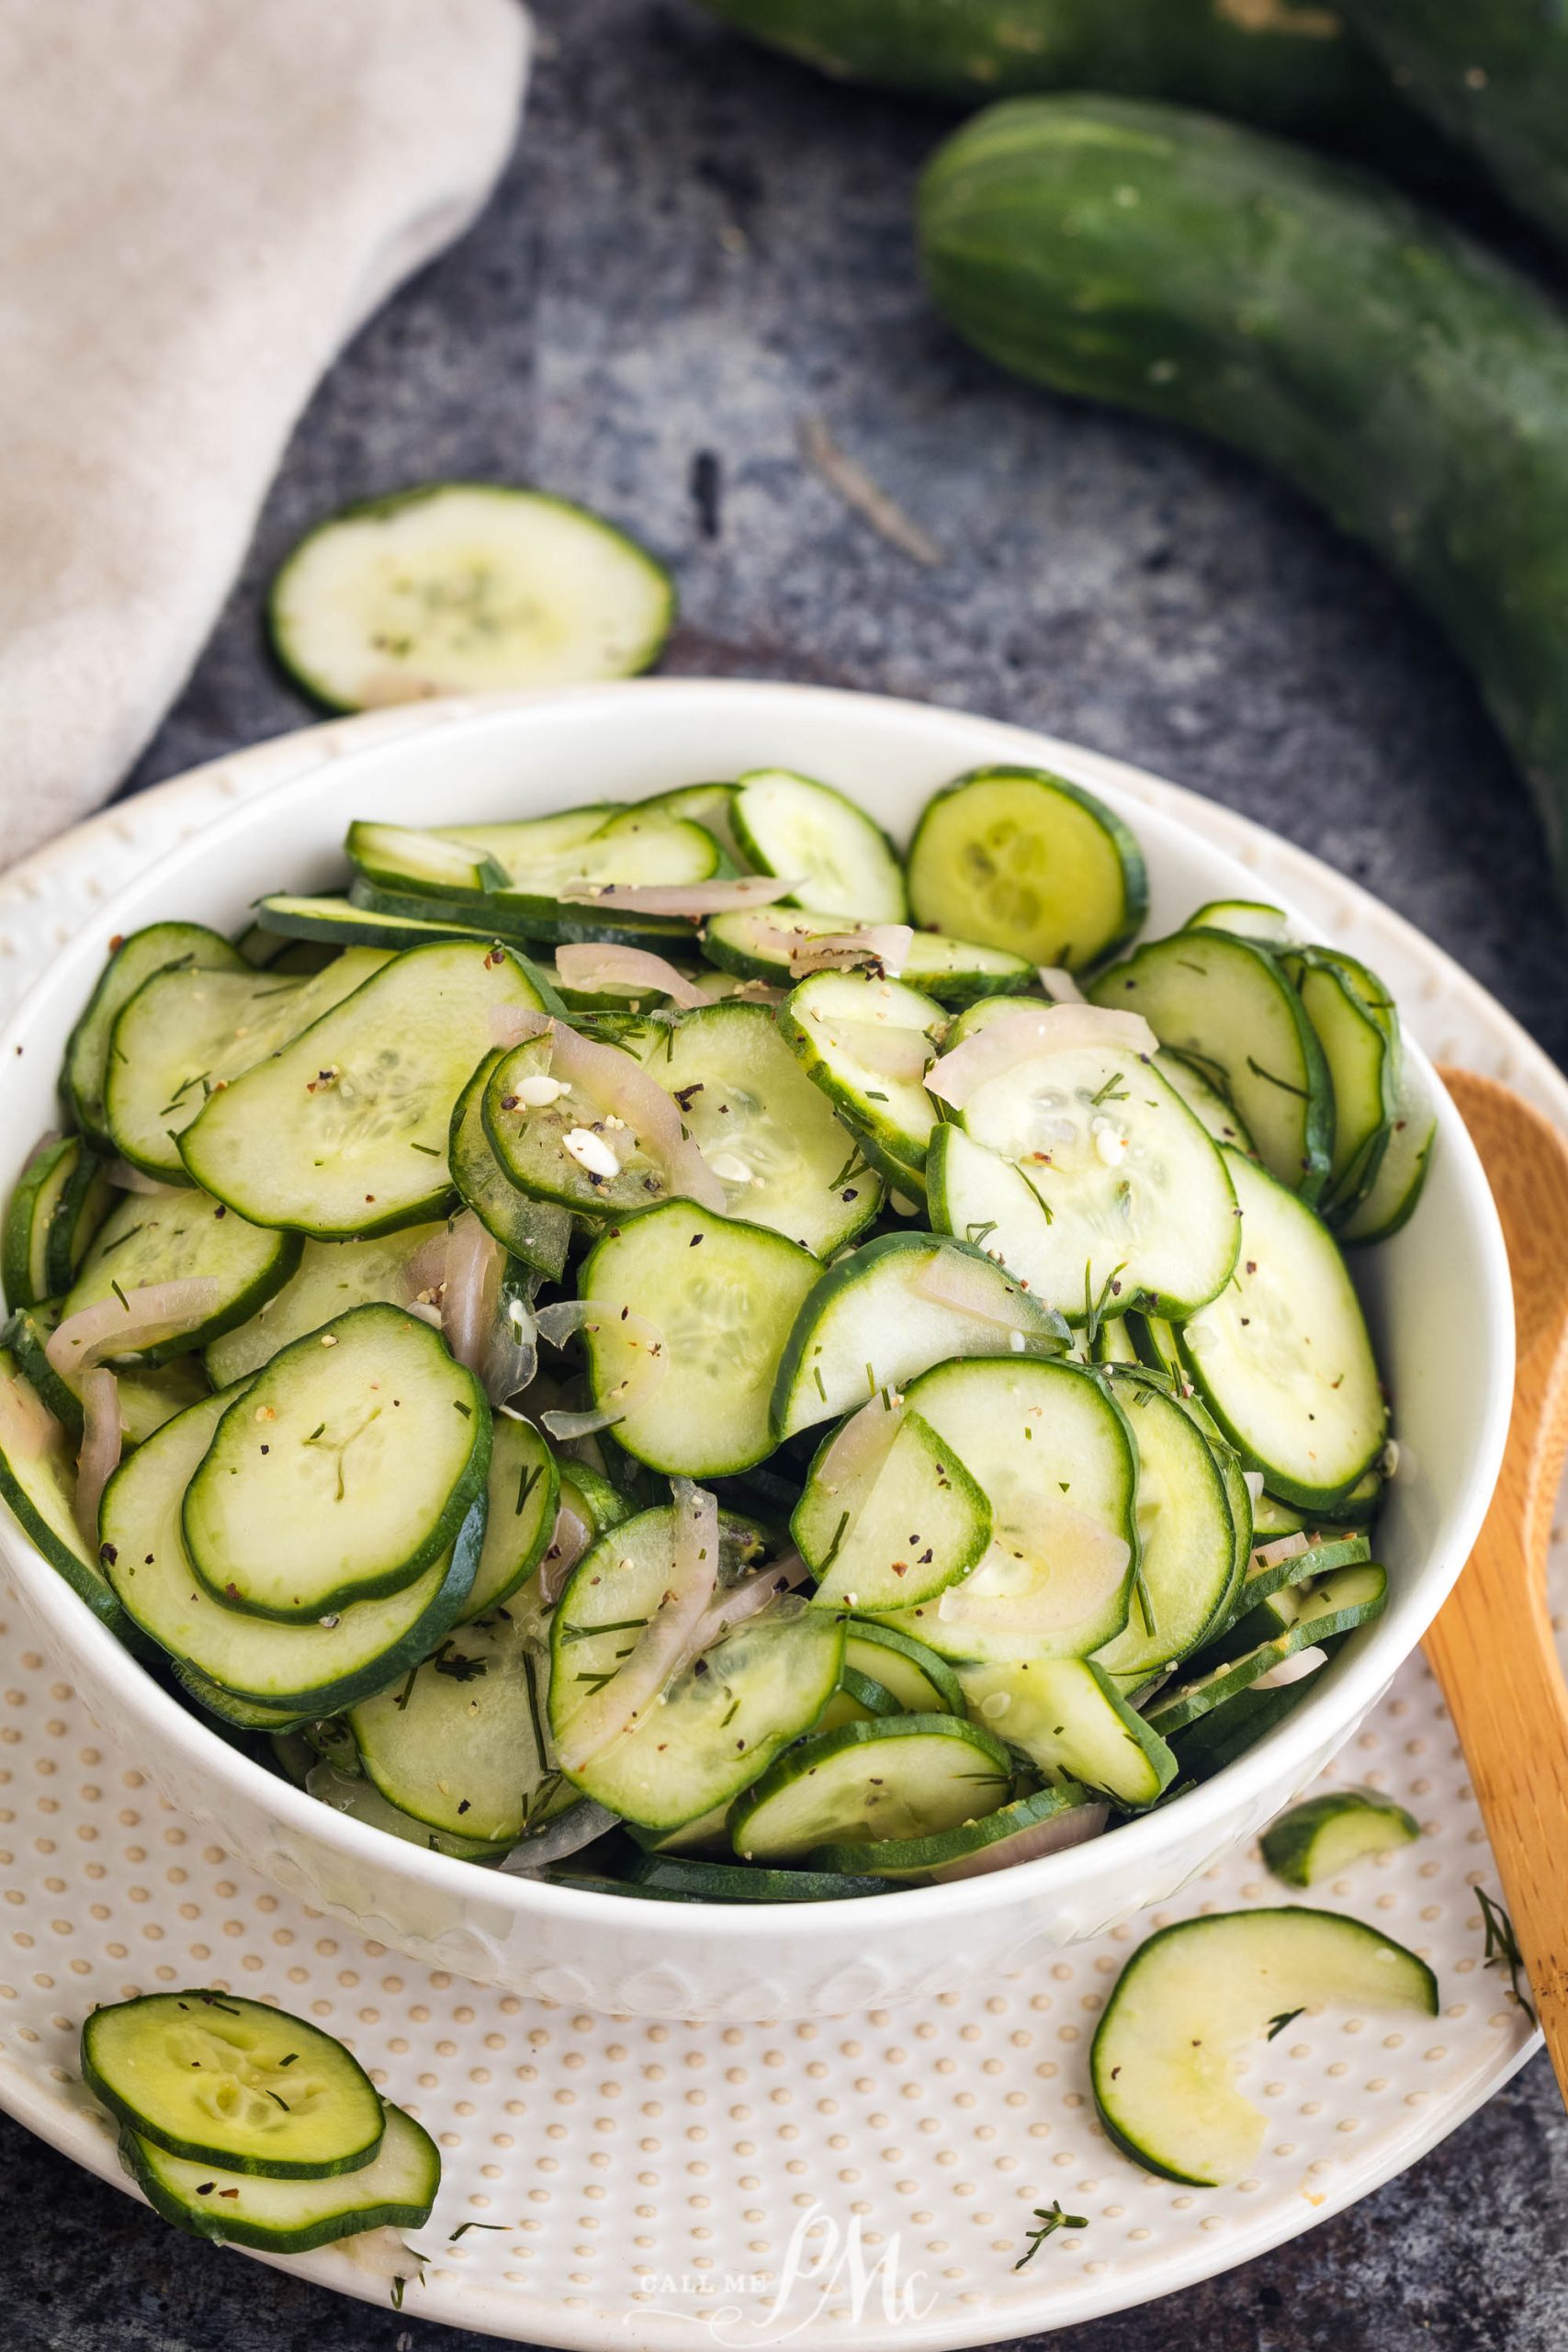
(1491, 1646)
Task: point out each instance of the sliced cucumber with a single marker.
(342, 1474)
(463, 588)
(1226, 1004)
(536, 1232)
(760, 945)
(1247, 917)
(1326, 1834)
(837, 859)
(24, 1248)
(300, 1669)
(219, 2080)
(1396, 1187)
(724, 1717)
(1069, 1718)
(922, 1683)
(724, 1297)
(1185, 1535)
(461, 1745)
(896, 1777)
(165, 1237)
(338, 922)
(863, 1041)
(1021, 860)
(704, 1882)
(555, 1140)
(1264, 1579)
(344, 1131)
(1137, 1201)
(331, 1276)
(1050, 1446)
(857, 1700)
(537, 877)
(712, 806)
(524, 1493)
(912, 1522)
(1282, 1358)
(86, 1199)
(1204, 1100)
(1359, 1031)
(188, 1033)
(362, 1801)
(395, 2190)
(146, 1398)
(882, 1316)
(766, 1130)
(596, 1500)
(992, 1843)
(1348, 1598)
(1191, 1998)
(37, 1481)
(133, 961)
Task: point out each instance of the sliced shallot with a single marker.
(694, 899)
(741, 1601)
(1023, 1032)
(475, 1263)
(1294, 1668)
(514, 1024)
(595, 965)
(130, 1320)
(571, 1538)
(567, 1834)
(568, 1316)
(951, 1278)
(1284, 1547)
(665, 1646)
(888, 1048)
(1059, 984)
(884, 944)
(101, 1438)
(1072, 1826)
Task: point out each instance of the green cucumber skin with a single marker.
(1493, 78)
(1302, 72)
(389, 2214)
(1393, 371)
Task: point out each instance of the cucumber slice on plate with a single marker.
(723, 1298)
(1022, 860)
(889, 1310)
(188, 1033)
(724, 1717)
(165, 1237)
(38, 1482)
(1012, 1833)
(1138, 1204)
(896, 1777)
(766, 1130)
(345, 1132)
(342, 1474)
(1052, 1448)
(300, 1669)
(395, 2190)
(461, 587)
(896, 1530)
(1282, 1358)
(133, 961)
(330, 1277)
(1326, 1834)
(1193, 1997)
(539, 1233)
(1185, 1535)
(839, 861)
(1395, 1189)
(867, 1043)
(1336, 1604)
(1204, 1100)
(1226, 1004)
(219, 2080)
(524, 1493)
(922, 1683)
(1067, 1716)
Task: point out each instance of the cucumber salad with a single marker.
(669, 1348)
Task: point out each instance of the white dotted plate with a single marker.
(691, 2186)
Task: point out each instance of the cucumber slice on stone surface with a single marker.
(343, 1472)
(1282, 1358)
(216, 2079)
(865, 1043)
(168, 1236)
(345, 1132)
(840, 862)
(330, 1277)
(1195, 1996)
(462, 587)
(894, 1777)
(1327, 1834)
(188, 1033)
(395, 2190)
(1226, 1004)
(1022, 860)
(132, 961)
(1067, 1716)
(724, 1298)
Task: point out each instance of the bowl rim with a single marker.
(1358, 1678)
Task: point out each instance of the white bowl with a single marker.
(1438, 1295)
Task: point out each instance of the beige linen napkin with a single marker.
(200, 200)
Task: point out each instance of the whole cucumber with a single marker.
(1396, 372)
(1495, 74)
(1291, 65)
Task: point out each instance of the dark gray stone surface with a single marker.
(696, 248)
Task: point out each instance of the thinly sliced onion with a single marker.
(475, 1263)
(1073, 1827)
(512, 1352)
(1027, 1030)
(885, 945)
(571, 1538)
(888, 1048)
(951, 1278)
(128, 1322)
(595, 965)
(1093, 1564)
(1294, 1668)
(136, 1180)
(742, 1602)
(514, 1024)
(426, 1270)
(1059, 984)
(862, 1446)
(1285, 1547)
(568, 1833)
(694, 899)
(619, 1086)
(664, 1648)
(425, 1312)
(101, 1439)
(568, 1316)
(1253, 1481)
